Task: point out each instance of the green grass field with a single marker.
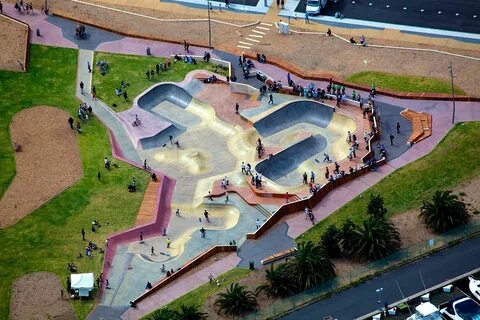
(403, 83)
(132, 69)
(452, 162)
(50, 237)
(199, 296)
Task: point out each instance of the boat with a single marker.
(426, 311)
(474, 287)
(463, 308)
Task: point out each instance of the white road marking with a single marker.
(251, 40)
(266, 24)
(255, 36)
(260, 32)
(244, 47)
(248, 44)
(263, 28)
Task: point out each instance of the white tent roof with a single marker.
(82, 281)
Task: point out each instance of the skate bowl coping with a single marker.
(161, 92)
(292, 113)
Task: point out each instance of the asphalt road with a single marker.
(453, 15)
(363, 299)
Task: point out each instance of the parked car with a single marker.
(314, 6)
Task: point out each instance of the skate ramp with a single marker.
(161, 92)
(293, 113)
(291, 158)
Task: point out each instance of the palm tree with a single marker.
(444, 212)
(163, 314)
(279, 282)
(346, 237)
(375, 206)
(310, 266)
(374, 238)
(191, 313)
(236, 301)
(330, 240)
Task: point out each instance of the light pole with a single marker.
(379, 291)
(209, 27)
(452, 75)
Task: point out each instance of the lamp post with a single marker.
(452, 75)
(379, 291)
(209, 27)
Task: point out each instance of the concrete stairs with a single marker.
(263, 211)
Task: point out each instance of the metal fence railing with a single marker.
(277, 307)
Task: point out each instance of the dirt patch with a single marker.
(470, 194)
(38, 296)
(411, 228)
(13, 41)
(48, 163)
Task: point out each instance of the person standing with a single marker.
(306, 18)
(312, 177)
(271, 99)
(305, 178)
(70, 122)
(206, 215)
(125, 96)
(391, 139)
(81, 86)
(168, 242)
(177, 213)
(83, 234)
(141, 237)
(152, 251)
(1, 7)
(236, 107)
(258, 223)
(89, 67)
(202, 232)
(94, 93)
(398, 127)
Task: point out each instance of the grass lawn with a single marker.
(403, 83)
(50, 237)
(199, 296)
(132, 69)
(453, 161)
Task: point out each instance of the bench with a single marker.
(278, 256)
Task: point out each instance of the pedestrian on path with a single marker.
(258, 223)
(83, 234)
(236, 107)
(81, 86)
(210, 278)
(391, 139)
(202, 232)
(168, 242)
(305, 178)
(1, 7)
(271, 99)
(141, 237)
(242, 166)
(89, 67)
(177, 213)
(152, 251)
(398, 127)
(227, 4)
(286, 196)
(306, 18)
(282, 2)
(312, 177)
(226, 197)
(206, 215)
(210, 196)
(278, 3)
(70, 122)
(94, 93)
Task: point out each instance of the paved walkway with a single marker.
(296, 224)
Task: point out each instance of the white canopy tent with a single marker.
(83, 282)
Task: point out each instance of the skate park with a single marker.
(213, 141)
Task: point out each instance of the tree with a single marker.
(375, 206)
(374, 238)
(191, 313)
(330, 240)
(236, 301)
(444, 212)
(346, 240)
(279, 282)
(163, 314)
(310, 266)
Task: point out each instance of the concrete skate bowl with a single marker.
(290, 158)
(155, 97)
(300, 111)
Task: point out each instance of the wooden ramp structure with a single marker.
(421, 125)
(146, 213)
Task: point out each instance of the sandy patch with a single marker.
(13, 41)
(48, 163)
(38, 296)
